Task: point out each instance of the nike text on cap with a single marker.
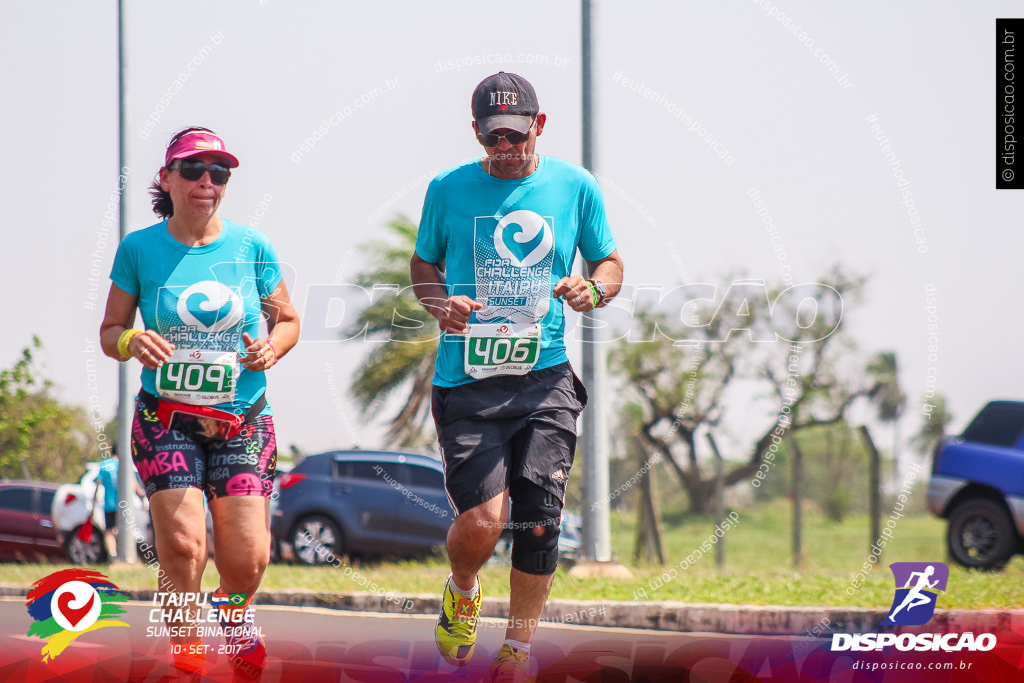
(504, 100)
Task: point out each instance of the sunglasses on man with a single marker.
(513, 137)
(193, 170)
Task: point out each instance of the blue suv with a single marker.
(367, 503)
(977, 484)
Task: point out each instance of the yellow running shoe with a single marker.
(455, 634)
(510, 666)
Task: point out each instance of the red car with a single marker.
(27, 532)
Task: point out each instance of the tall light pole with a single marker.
(597, 544)
(125, 404)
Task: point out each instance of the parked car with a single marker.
(360, 503)
(27, 531)
(977, 484)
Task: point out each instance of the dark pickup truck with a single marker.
(977, 484)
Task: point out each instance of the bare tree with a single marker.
(680, 375)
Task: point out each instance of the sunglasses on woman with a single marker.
(194, 170)
(513, 137)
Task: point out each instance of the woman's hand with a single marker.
(150, 348)
(261, 354)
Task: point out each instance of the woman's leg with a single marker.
(179, 524)
(240, 481)
(241, 541)
(171, 467)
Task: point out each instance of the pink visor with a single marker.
(199, 142)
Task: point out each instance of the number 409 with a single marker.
(191, 376)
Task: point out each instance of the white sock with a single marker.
(468, 594)
(519, 646)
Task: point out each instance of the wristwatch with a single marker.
(601, 291)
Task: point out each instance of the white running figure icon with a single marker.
(914, 597)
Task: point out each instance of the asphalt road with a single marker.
(316, 644)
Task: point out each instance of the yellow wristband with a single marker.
(124, 340)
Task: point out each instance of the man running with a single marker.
(495, 248)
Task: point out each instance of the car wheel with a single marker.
(981, 534)
(82, 552)
(316, 539)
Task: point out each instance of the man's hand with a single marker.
(576, 293)
(453, 314)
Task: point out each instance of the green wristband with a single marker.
(593, 292)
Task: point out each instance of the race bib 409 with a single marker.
(198, 377)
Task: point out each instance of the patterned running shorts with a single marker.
(167, 459)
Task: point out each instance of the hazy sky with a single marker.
(382, 90)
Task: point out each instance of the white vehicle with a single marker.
(79, 519)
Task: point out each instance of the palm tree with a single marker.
(934, 428)
(887, 395)
(403, 361)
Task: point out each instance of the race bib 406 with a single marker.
(504, 349)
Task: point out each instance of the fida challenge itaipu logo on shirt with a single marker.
(513, 259)
(205, 315)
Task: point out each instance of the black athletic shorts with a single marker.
(496, 430)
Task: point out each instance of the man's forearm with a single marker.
(609, 273)
(428, 284)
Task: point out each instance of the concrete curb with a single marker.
(766, 620)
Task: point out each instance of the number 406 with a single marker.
(503, 350)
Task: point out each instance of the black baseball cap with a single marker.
(504, 100)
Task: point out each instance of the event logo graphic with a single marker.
(68, 603)
(917, 587)
(534, 233)
(209, 306)
(513, 260)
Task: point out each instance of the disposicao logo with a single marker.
(68, 603)
(918, 585)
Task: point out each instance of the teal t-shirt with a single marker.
(108, 477)
(506, 243)
(201, 297)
